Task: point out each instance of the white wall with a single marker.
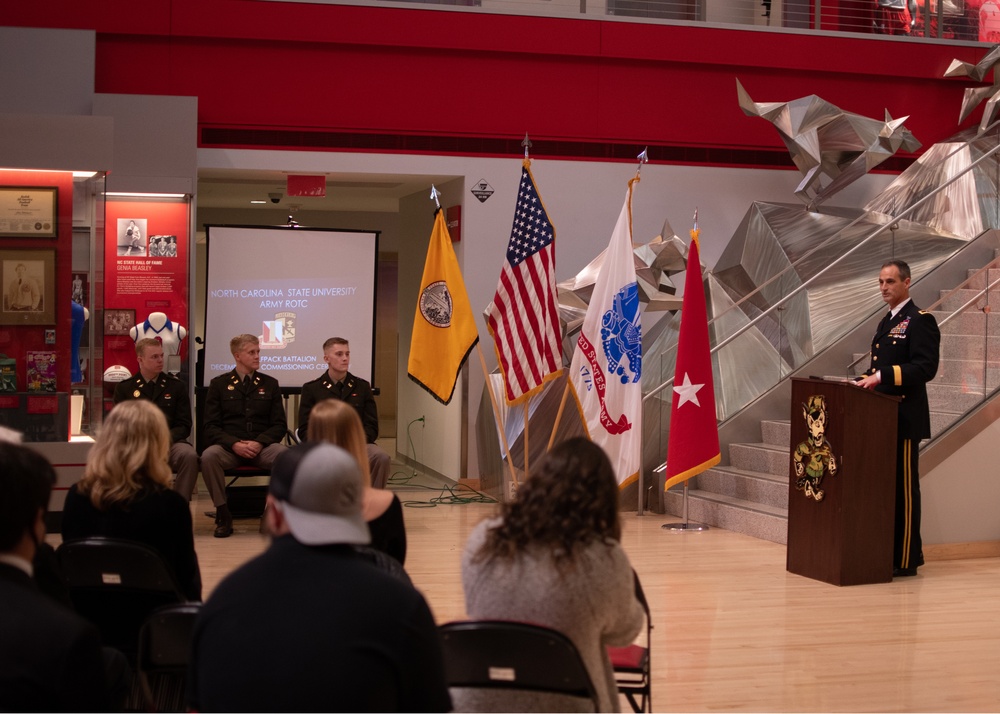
(156, 142)
(960, 497)
(46, 71)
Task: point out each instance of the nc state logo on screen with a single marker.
(278, 333)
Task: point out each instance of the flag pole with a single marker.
(526, 415)
(526, 143)
(686, 525)
(496, 414)
(527, 345)
(562, 405)
(643, 158)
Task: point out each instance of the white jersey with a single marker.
(169, 335)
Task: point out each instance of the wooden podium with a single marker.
(845, 537)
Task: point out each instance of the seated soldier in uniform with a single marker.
(338, 383)
(170, 394)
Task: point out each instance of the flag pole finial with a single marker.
(694, 230)
(526, 144)
(643, 158)
(435, 196)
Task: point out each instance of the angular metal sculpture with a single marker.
(974, 95)
(655, 263)
(825, 140)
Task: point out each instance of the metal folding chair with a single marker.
(164, 654)
(116, 584)
(502, 655)
(631, 663)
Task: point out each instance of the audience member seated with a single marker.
(126, 492)
(311, 624)
(50, 659)
(337, 422)
(553, 558)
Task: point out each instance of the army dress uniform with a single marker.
(170, 394)
(240, 410)
(905, 353)
(358, 393)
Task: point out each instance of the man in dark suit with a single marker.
(170, 394)
(905, 353)
(244, 424)
(50, 659)
(338, 383)
(311, 624)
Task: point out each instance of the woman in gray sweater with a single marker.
(553, 558)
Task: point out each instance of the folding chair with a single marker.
(164, 654)
(506, 656)
(116, 584)
(631, 663)
(246, 501)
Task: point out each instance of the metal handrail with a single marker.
(808, 282)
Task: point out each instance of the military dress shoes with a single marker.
(903, 572)
(223, 521)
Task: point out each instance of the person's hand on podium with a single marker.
(869, 382)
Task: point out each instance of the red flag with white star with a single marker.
(693, 444)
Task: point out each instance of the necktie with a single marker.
(885, 321)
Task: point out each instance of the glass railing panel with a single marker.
(969, 370)
(952, 20)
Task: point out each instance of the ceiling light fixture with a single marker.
(129, 194)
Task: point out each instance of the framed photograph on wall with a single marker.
(29, 287)
(118, 321)
(28, 211)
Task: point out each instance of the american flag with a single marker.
(523, 317)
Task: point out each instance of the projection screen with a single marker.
(293, 288)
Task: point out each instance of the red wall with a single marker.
(359, 78)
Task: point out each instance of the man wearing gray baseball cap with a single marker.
(311, 624)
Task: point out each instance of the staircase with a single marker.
(750, 495)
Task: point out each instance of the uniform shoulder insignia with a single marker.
(924, 312)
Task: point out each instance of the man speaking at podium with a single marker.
(905, 353)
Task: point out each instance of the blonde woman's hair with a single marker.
(338, 423)
(129, 455)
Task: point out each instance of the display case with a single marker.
(50, 274)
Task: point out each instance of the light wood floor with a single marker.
(733, 631)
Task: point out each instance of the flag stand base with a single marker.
(685, 526)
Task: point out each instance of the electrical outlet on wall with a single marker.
(511, 490)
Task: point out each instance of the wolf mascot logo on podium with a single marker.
(813, 457)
